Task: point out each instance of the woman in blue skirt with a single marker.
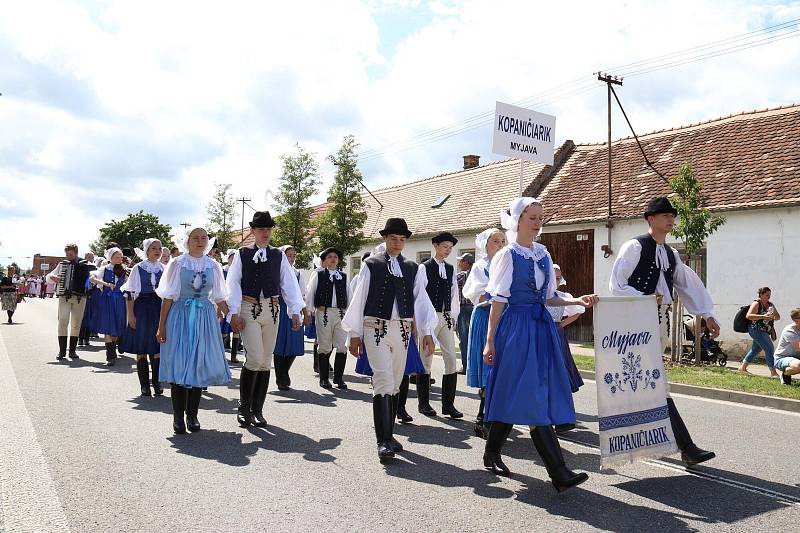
(487, 244)
(144, 308)
(192, 353)
(289, 343)
(528, 382)
(108, 313)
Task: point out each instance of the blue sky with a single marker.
(112, 107)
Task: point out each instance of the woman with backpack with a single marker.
(762, 315)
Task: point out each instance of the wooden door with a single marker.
(573, 251)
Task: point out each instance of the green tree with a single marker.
(131, 231)
(341, 225)
(298, 183)
(694, 225)
(221, 217)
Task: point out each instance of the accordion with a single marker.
(73, 278)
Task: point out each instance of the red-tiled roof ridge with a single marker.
(744, 115)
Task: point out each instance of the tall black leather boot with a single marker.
(449, 382)
(393, 402)
(178, 396)
(111, 354)
(144, 376)
(690, 453)
(246, 382)
(192, 407)
(480, 428)
(339, 363)
(288, 367)
(73, 343)
(62, 347)
(316, 358)
(226, 341)
(402, 396)
(279, 363)
(424, 395)
(259, 397)
(324, 362)
(498, 433)
(546, 442)
(381, 412)
(155, 365)
(236, 342)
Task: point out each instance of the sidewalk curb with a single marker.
(784, 404)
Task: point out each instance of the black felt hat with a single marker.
(444, 236)
(658, 205)
(262, 219)
(329, 249)
(396, 226)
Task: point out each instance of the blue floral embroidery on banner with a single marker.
(633, 376)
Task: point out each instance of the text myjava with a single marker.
(621, 341)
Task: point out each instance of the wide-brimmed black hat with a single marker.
(396, 226)
(262, 219)
(444, 236)
(328, 250)
(658, 205)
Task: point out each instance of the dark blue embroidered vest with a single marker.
(439, 290)
(385, 289)
(262, 278)
(323, 297)
(645, 276)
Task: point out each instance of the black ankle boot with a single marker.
(324, 362)
(424, 394)
(144, 376)
(73, 343)
(546, 442)
(110, 354)
(339, 363)
(381, 414)
(62, 347)
(316, 358)
(178, 396)
(192, 407)
(259, 397)
(449, 382)
(498, 433)
(690, 453)
(402, 396)
(246, 382)
(235, 344)
(155, 364)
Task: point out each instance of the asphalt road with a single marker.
(81, 451)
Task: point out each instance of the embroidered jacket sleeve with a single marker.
(690, 288)
(290, 289)
(234, 285)
(475, 286)
(353, 321)
(623, 268)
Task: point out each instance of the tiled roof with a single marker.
(748, 160)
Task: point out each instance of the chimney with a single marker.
(471, 161)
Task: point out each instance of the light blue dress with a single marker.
(193, 354)
(477, 369)
(528, 382)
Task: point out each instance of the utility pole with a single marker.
(185, 224)
(244, 201)
(609, 80)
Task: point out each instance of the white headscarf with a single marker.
(141, 253)
(110, 252)
(510, 219)
(563, 280)
(183, 242)
(151, 267)
(481, 240)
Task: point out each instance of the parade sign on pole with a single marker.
(631, 383)
(523, 134)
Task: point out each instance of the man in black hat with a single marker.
(442, 288)
(389, 298)
(257, 275)
(328, 293)
(646, 265)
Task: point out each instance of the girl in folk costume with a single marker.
(143, 311)
(289, 343)
(8, 292)
(528, 382)
(230, 339)
(192, 353)
(487, 244)
(108, 317)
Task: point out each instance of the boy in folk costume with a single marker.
(442, 288)
(646, 266)
(328, 293)
(389, 297)
(258, 274)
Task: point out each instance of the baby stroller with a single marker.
(710, 349)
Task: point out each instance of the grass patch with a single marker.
(717, 378)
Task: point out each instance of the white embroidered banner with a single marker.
(631, 382)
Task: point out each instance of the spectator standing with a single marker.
(787, 353)
(762, 316)
(465, 262)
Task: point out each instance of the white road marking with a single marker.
(28, 493)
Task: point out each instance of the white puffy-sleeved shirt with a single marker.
(476, 283)
(133, 284)
(311, 290)
(455, 300)
(424, 313)
(694, 295)
(169, 288)
(501, 270)
(560, 313)
(290, 287)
